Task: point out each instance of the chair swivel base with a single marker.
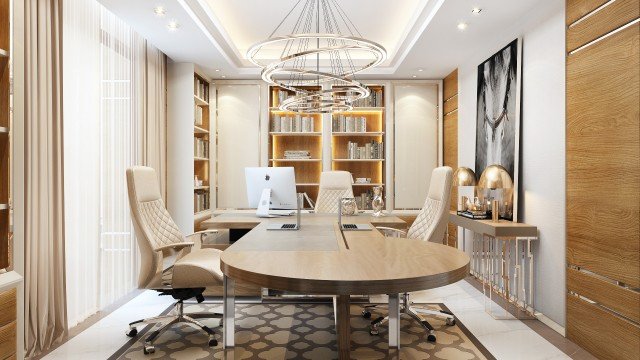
(167, 321)
(408, 310)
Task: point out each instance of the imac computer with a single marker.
(271, 190)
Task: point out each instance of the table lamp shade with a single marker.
(495, 177)
(464, 177)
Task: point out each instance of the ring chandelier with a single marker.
(318, 60)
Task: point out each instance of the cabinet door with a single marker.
(415, 143)
(238, 126)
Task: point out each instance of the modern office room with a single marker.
(320, 179)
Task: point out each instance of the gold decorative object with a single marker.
(464, 177)
(495, 177)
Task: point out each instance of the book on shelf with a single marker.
(363, 201)
(297, 154)
(373, 100)
(345, 123)
(201, 201)
(200, 147)
(371, 150)
(201, 89)
(198, 115)
(297, 123)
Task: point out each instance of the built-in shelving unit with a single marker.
(295, 140)
(201, 151)
(357, 144)
(5, 176)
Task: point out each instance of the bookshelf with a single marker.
(5, 147)
(295, 140)
(357, 144)
(201, 151)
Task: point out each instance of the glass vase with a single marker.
(377, 204)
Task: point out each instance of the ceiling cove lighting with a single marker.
(159, 10)
(462, 26)
(173, 25)
(322, 46)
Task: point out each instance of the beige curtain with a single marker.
(45, 302)
(155, 118)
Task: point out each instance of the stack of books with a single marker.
(343, 123)
(198, 115)
(201, 89)
(298, 123)
(363, 201)
(374, 100)
(372, 150)
(200, 201)
(297, 154)
(282, 96)
(201, 148)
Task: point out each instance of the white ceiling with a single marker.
(215, 34)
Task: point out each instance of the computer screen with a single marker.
(281, 181)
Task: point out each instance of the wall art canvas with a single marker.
(498, 113)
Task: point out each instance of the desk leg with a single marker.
(229, 310)
(394, 321)
(344, 327)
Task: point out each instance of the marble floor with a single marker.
(505, 339)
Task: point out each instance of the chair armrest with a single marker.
(201, 234)
(391, 232)
(175, 246)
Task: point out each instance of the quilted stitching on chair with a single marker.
(425, 221)
(328, 199)
(157, 219)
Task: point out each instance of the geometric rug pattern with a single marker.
(274, 331)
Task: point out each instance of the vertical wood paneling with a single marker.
(603, 178)
(450, 139)
(8, 324)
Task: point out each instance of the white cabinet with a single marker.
(416, 142)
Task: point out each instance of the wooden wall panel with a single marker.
(606, 336)
(611, 17)
(603, 177)
(8, 307)
(450, 139)
(603, 158)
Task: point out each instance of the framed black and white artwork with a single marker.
(498, 113)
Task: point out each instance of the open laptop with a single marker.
(350, 227)
(289, 226)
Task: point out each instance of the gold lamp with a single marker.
(495, 177)
(464, 177)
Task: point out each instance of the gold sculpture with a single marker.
(464, 177)
(495, 177)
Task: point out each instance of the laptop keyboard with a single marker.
(349, 226)
(288, 226)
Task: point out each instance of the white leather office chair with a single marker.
(430, 225)
(170, 263)
(333, 185)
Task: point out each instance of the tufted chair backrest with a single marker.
(153, 225)
(333, 185)
(431, 223)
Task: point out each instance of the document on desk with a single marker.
(310, 237)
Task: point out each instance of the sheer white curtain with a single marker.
(105, 83)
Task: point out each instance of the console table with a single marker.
(501, 258)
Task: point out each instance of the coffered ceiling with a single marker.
(418, 34)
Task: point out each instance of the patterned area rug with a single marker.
(305, 331)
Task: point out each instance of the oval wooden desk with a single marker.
(319, 259)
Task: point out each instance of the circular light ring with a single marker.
(355, 43)
(315, 102)
(353, 89)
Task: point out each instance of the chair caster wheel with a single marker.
(213, 342)
(148, 349)
(431, 338)
(366, 314)
(450, 321)
(132, 332)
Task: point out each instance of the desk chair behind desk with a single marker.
(430, 225)
(169, 262)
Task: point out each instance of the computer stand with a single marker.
(263, 205)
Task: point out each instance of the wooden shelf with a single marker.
(358, 160)
(195, 158)
(200, 101)
(372, 133)
(201, 187)
(369, 184)
(295, 160)
(4, 206)
(199, 130)
(295, 133)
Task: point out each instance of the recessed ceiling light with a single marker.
(173, 25)
(420, 70)
(224, 76)
(476, 10)
(462, 26)
(159, 10)
(217, 70)
(414, 76)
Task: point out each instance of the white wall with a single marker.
(542, 146)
